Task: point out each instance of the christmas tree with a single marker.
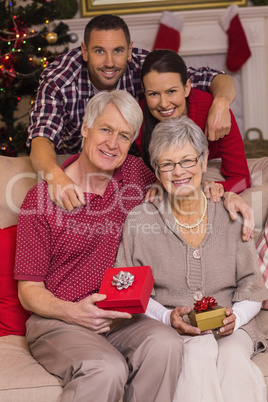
(29, 41)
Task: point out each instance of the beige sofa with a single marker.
(22, 379)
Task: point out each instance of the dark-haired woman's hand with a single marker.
(213, 190)
(234, 204)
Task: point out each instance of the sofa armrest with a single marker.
(17, 176)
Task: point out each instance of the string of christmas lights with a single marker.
(28, 43)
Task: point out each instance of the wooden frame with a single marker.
(91, 8)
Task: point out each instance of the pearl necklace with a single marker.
(200, 220)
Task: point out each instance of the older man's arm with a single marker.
(62, 190)
(36, 298)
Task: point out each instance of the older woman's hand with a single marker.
(214, 190)
(176, 320)
(234, 203)
(229, 323)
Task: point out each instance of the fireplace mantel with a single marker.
(202, 35)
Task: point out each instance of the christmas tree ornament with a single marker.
(238, 48)
(73, 37)
(37, 61)
(51, 38)
(168, 35)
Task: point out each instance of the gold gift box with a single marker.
(210, 319)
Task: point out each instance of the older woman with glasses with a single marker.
(196, 251)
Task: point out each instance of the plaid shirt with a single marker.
(65, 89)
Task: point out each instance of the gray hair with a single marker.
(176, 132)
(125, 103)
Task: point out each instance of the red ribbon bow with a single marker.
(205, 304)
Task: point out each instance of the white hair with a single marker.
(176, 132)
(125, 103)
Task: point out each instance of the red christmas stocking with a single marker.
(168, 35)
(238, 48)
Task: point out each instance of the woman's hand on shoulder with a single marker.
(229, 323)
(234, 204)
(176, 320)
(213, 190)
(218, 123)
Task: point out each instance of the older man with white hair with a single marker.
(97, 355)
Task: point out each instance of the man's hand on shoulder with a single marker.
(155, 190)
(63, 191)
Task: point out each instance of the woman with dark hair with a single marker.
(168, 94)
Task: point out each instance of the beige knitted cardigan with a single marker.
(226, 270)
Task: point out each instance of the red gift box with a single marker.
(132, 300)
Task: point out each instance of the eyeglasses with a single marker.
(185, 164)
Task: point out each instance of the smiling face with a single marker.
(182, 182)
(165, 94)
(107, 142)
(106, 55)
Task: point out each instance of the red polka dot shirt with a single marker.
(70, 251)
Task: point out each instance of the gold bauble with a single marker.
(51, 38)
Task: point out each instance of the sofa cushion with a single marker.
(12, 314)
(17, 176)
(261, 359)
(262, 250)
(22, 377)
